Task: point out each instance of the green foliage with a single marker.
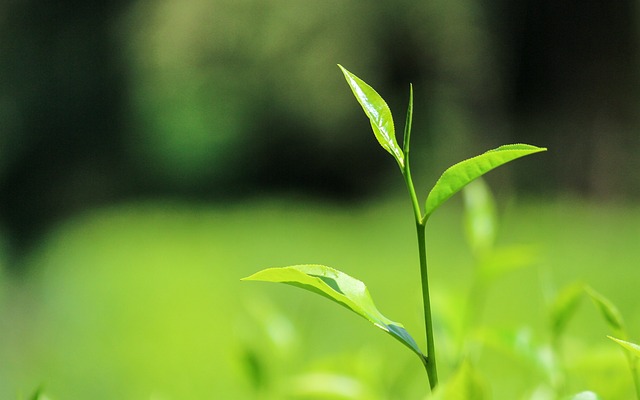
(614, 319)
(609, 312)
(352, 293)
(464, 172)
(378, 112)
(143, 299)
(564, 306)
(340, 288)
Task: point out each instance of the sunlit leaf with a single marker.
(378, 112)
(564, 307)
(459, 175)
(464, 385)
(632, 348)
(609, 311)
(340, 288)
(480, 216)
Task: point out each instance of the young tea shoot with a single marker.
(352, 293)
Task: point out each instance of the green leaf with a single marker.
(564, 307)
(609, 311)
(340, 288)
(631, 348)
(480, 217)
(378, 112)
(459, 175)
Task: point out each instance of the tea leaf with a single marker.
(564, 306)
(378, 112)
(459, 175)
(609, 311)
(632, 348)
(340, 288)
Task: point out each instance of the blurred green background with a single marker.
(152, 153)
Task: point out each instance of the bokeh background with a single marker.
(152, 153)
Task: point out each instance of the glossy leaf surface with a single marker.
(378, 113)
(459, 175)
(630, 347)
(340, 288)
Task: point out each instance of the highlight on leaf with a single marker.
(378, 113)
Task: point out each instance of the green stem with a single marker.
(430, 360)
(432, 371)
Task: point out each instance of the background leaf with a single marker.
(459, 175)
(340, 288)
(609, 311)
(378, 112)
(480, 217)
(564, 306)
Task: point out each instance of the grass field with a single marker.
(144, 301)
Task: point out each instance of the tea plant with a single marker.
(614, 319)
(562, 309)
(352, 293)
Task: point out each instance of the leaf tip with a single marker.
(251, 277)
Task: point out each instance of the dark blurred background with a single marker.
(220, 100)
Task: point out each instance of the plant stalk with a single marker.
(430, 365)
(430, 360)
